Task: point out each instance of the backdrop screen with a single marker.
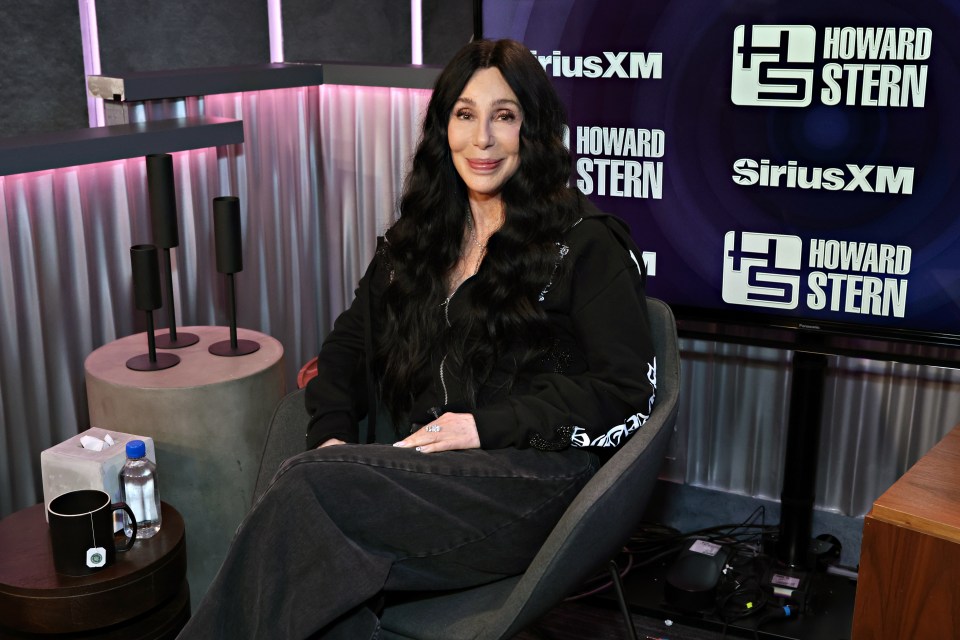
(788, 163)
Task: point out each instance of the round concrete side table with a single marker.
(208, 417)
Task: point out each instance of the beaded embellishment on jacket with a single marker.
(562, 251)
(562, 442)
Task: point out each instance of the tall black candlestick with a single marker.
(146, 297)
(163, 217)
(229, 247)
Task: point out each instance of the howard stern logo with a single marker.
(762, 270)
(778, 65)
(774, 271)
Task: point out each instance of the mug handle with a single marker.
(133, 521)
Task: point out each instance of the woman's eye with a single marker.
(506, 116)
(463, 115)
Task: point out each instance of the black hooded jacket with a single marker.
(593, 387)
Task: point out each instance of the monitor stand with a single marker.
(798, 492)
(827, 600)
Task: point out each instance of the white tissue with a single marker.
(110, 441)
(94, 444)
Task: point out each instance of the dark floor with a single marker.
(829, 609)
(595, 620)
(828, 616)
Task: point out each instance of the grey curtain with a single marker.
(878, 419)
(318, 177)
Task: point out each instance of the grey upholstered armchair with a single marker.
(590, 533)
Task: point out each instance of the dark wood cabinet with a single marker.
(909, 582)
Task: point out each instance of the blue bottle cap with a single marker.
(136, 449)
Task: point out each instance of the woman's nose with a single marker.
(483, 135)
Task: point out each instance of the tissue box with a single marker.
(68, 466)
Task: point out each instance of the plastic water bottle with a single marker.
(138, 486)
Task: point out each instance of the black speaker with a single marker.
(229, 239)
(163, 200)
(146, 277)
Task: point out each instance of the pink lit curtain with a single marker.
(318, 177)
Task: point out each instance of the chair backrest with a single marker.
(285, 438)
(607, 510)
(594, 527)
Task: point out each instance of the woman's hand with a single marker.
(449, 432)
(330, 442)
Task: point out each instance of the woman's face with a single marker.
(484, 133)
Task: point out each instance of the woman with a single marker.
(502, 329)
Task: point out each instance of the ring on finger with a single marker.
(433, 429)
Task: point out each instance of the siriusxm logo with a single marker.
(619, 64)
(868, 178)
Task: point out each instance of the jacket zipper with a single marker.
(443, 381)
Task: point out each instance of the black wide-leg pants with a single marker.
(341, 524)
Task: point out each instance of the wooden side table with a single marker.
(144, 594)
(910, 556)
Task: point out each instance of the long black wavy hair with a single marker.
(426, 241)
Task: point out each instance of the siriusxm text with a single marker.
(611, 64)
(851, 177)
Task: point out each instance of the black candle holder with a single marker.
(146, 294)
(229, 246)
(163, 215)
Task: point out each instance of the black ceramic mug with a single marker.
(81, 531)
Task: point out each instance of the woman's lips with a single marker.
(484, 165)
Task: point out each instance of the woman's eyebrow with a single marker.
(496, 103)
